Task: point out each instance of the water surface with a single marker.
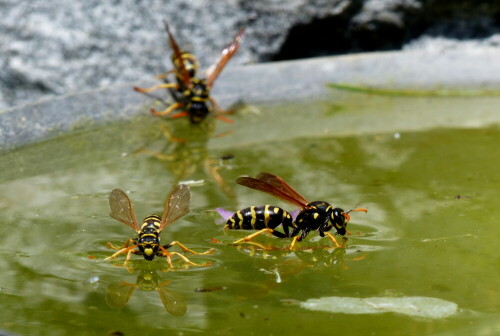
(431, 188)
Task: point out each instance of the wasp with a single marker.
(191, 93)
(313, 216)
(118, 295)
(147, 242)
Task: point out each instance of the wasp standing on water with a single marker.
(192, 94)
(147, 242)
(313, 216)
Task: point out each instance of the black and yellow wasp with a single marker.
(147, 242)
(191, 93)
(313, 216)
(119, 294)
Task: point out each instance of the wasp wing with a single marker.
(282, 185)
(214, 71)
(186, 78)
(122, 209)
(266, 187)
(177, 205)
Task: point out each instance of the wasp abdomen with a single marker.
(258, 218)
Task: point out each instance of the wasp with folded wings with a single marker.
(147, 242)
(192, 94)
(313, 216)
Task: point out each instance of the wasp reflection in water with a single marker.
(119, 294)
(279, 265)
(184, 152)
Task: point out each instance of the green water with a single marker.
(431, 229)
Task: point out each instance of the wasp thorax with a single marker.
(314, 215)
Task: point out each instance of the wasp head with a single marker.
(339, 219)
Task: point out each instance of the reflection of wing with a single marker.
(117, 295)
(121, 209)
(275, 186)
(186, 78)
(228, 52)
(177, 205)
(174, 303)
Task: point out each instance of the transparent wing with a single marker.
(186, 78)
(275, 186)
(177, 205)
(122, 209)
(214, 71)
(280, 184)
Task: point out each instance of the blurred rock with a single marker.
(58, 47)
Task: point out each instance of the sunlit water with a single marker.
(431, 230)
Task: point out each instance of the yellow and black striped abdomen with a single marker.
(258, 218)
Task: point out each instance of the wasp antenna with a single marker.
(358, 209)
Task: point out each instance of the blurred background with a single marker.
(50, 48)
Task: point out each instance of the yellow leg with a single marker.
(167, 110)
(168, 255)
(253, 235)
(129, 255)
(292, 245)
(165, 74)
(186, 260)
(123, 250)
(332, 238)
(218, 109)
(127, 243)
(156, 87)
(185, 249)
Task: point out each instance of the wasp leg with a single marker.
(185, 249)
(123, 250)
(279, 234)
(297, 238)
(165, 74)
(219, 112)
(156, 87)
(180, 115)
(167, 110)
(217, 108)
(186, 260)
(127, 243)
(292, 245)
(332, 238)
(253, 235)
